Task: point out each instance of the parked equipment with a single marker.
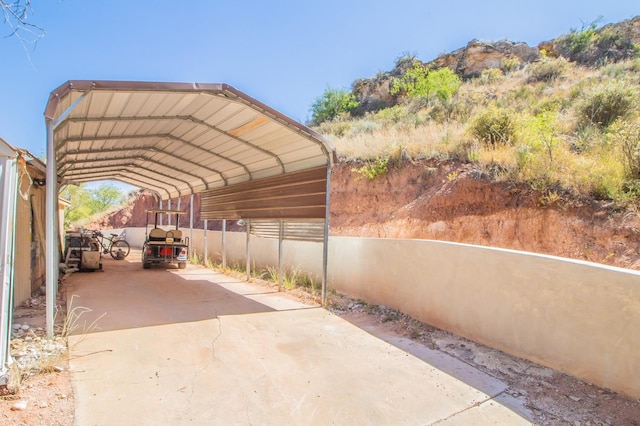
(163, 247)
(83, 249)
(81, 252)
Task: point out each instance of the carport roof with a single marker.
(174, 138)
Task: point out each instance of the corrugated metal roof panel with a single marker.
(175, 138)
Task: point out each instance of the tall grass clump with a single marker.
(625, 135)
(291, 278)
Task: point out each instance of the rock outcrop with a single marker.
(478, 56)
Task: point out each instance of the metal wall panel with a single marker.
(30, 235)
(22, 265)
(293, 230)
(296, 195)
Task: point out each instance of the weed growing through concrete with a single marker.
(72, 322)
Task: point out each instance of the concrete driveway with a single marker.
(173, 347)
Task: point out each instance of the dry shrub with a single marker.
(495, 126)
(604, 104)
(547, 70)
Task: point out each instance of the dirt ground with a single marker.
(451, 201)
(553, 397)
(39, 392)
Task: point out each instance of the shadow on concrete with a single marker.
(124, 296)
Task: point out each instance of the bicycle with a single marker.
(117, 247)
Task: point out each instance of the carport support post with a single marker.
(160, 216)
(51, 210)
(169, 216)
(178, 208)
(325, 245)
(191, 222)
(51, 234)
(205, 249)
(280, 238)
(248, 250)
(224, 243)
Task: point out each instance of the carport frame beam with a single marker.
(51, 209)
(51, 239)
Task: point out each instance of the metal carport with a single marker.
(248, 160)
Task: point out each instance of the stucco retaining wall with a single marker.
(578, 317)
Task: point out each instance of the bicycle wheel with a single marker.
(119, 249)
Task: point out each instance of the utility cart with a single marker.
(164, 246)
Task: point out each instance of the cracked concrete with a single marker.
(196, 347)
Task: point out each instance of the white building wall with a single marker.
(8, 179)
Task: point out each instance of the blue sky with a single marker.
(283, 53)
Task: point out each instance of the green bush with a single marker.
(547, 70)
(495, 126)
(605, 104)
(586, 138)
(461, 107)
(579, 40)
(373, 169)
(332, 104)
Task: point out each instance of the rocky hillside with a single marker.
(615, 42)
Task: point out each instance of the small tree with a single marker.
(79, 204)
(420, 82)
(105, 197)
(332, 103)
(84, 203)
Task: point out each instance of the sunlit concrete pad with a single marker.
(289, 367)
(175, 347)
(485, 414)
